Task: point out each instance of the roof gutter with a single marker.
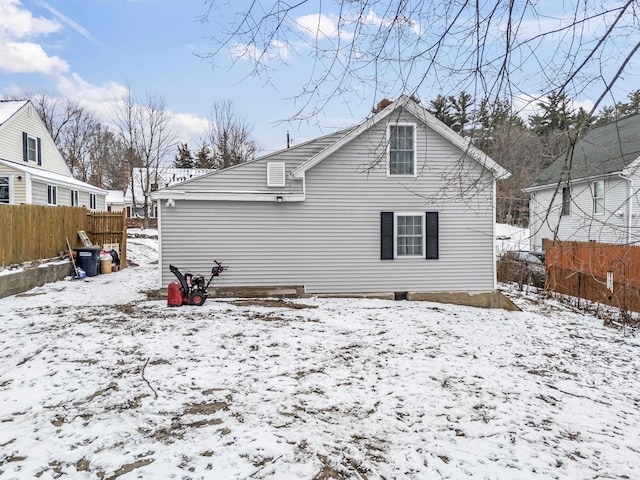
(571, 181)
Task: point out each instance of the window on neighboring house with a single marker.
(32, 149)
(566, 201)
(402, 155)
(92, 201)
(52, 195)
(74, 198)
(598, 197)
(5, 189)
(409, 235)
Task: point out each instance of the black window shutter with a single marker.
(386, 235)
(432, 252)
(39, 151)
(25, 148)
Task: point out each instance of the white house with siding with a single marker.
(32, 171)
(398, 203)
(591, 192)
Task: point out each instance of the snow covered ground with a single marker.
(100, 379)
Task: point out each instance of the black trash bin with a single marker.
(88, 259)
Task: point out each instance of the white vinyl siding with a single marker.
(250, 176)
(330, 243)
(582, 225)
(12, 148)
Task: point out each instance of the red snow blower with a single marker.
(190, 289)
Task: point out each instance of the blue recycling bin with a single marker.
(88, 259)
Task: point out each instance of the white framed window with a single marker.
(275, 174)
(409, 233)
(74, 198)
(93, 201)
(598, 197)
(402, 149)
(5, 189)
(52, 195)
(566, 201)
(32, 149)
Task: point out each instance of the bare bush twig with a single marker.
(155, 394)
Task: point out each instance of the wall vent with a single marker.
(275, 174)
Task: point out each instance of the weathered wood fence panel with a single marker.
(33, 232)
(599, 272)
(106, 227)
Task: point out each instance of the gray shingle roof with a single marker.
(603, 150)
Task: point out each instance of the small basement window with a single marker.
(275, 174)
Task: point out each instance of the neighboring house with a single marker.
(150, 181)
(596, 198)
(115, 201)
(32, 170)
(398, 203)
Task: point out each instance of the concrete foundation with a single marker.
(13, 283)
(493, 299)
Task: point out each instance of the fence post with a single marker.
(123, 240)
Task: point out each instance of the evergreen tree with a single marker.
(582, 120)
(461, 106)
(441, 109)
(184, 158)
(556, 114)
(203, 157)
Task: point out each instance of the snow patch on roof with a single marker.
(8, 108)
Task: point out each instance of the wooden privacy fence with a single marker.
(599, 272)
(34, 232)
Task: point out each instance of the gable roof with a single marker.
(608, 149)
(410, 105)
(308, 154)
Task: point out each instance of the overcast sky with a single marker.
(91, 50)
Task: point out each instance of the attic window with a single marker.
(402, 155)
(32, 149)
(275, 174)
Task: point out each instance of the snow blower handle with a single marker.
(218, 268)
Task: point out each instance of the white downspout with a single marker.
(630, 210)
(629, 200)
(28, 192)
(493, 243)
